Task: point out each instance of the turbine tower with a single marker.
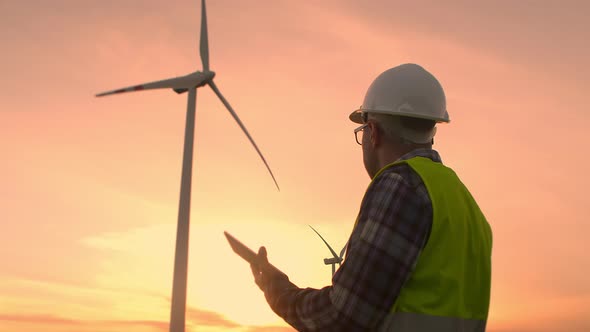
(180, 85)
(332, 260)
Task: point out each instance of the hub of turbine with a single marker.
(206, 77)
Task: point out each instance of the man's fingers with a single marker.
(262, 255)
(259, 267)
(260, 262)
(255, 269)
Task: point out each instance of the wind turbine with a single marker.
(180, 85)
(332, 260)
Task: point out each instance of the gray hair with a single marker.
(409, 130)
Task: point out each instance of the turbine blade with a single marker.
(343, 250)
(204, 46)
(233, 113)
(331, 250)
(181, 82)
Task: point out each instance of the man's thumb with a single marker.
(262, 254)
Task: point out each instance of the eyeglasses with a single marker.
(359, 130)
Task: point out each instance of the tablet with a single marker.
(246, 253)
(239, 248)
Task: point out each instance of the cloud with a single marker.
(208, 318)
(56, 321)
(38, 319)
(195, 317)
(269, 329)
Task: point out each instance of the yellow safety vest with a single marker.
(449, 289)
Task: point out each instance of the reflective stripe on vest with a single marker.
(409, 321)
(449, 289)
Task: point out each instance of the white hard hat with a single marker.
(406, 90)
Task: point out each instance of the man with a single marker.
(419, 256)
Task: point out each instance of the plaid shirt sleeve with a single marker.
(392, 228)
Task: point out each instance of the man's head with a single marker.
(399, 114)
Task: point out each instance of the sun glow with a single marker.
(218, 279)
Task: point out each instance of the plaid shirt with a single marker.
(392, 227)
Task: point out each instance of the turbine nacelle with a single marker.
(200, 78)
(333, 260)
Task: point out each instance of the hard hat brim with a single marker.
(356, 116)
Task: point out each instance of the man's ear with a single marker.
(375, 134)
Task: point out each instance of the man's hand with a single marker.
(272, 281)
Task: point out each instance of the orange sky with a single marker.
(89, 192)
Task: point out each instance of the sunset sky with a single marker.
(89, 186)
